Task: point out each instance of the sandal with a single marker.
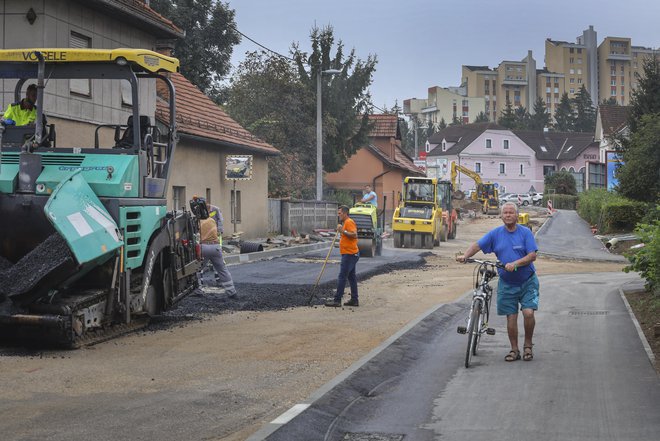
(527, 355)
(512, 355)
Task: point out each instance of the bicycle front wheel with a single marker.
(478, 327)
(472, 332)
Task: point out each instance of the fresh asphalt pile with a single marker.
(34, 266)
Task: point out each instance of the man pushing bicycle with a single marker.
(515, 247)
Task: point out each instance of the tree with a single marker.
(442, 124)
(346, 101)
(646, 96)
(481, 117)
(562, 182)
(540, 119)
(585, 114)
(522, 118)
(611, 101)
(638, 176)
(210, 36)
(508, 116)
(564, 118)
(265, 97)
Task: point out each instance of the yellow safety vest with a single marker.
(22, 117)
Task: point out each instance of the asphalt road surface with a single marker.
(590, 378)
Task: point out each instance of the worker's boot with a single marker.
(352, 302)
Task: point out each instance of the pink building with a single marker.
(517, 161)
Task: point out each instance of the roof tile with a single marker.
(198, 115)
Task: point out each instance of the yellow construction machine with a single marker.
(486, 193)
(419, 220)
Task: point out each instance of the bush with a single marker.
(646, 260)
(622, 215)
(611, 212)
(562, 182)
(560, 201)
(342, 197)
(591, 202)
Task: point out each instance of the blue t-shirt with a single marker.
(509, 247)
(373, 201)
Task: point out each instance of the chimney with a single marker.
(165, 46)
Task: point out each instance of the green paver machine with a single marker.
(87, 246)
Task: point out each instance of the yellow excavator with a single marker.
(486, 193)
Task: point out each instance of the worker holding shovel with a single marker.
(348, 248)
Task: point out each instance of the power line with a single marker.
(259, 44)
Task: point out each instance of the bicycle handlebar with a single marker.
(497, 264)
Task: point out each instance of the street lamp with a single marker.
(319, 133)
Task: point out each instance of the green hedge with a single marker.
(560, 201)
(609, 211)
(622, 215)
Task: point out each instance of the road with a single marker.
(590, 379)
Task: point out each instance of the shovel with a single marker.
(318, 279)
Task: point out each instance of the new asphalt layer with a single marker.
(590, 378)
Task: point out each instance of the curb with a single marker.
(234, 259)
(640, 332)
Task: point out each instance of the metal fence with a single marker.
(295, 216)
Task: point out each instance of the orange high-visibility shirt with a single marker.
(348, 245)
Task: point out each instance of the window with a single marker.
(579, 51)
(502, 168)
(80, 86)
(179, 197)
(489, 143)
(208, 195)
(579, 80)
(444, 146)
(556, 89)
(548, 170)
(579, 71)
(522, 169)
(571, 60)
(477, 167)
(572, 80)
(571, 71)
(126, 94)
(579, 61)
(505, 144)
(572, 90)
(571, 50)
(236, 204)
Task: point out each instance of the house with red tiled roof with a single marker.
(381, 163)
(207, 137)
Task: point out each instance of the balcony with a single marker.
(615, 56)
(515, 82)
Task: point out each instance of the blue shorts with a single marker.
(510, 296)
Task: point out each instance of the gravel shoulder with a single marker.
(247, 367)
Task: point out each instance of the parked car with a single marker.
(518, 198)
(536, 198)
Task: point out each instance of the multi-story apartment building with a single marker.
(607, 71)
(619, 63)
(512, 80)
(577, 62)
(445, 103)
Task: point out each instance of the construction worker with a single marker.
(216, 214)
(212, 251)
(23, 112)
(370, 196)
(350, 254)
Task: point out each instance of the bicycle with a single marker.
(477, 320)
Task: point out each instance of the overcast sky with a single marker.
(423, 43)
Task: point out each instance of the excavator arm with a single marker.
(455, 168)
